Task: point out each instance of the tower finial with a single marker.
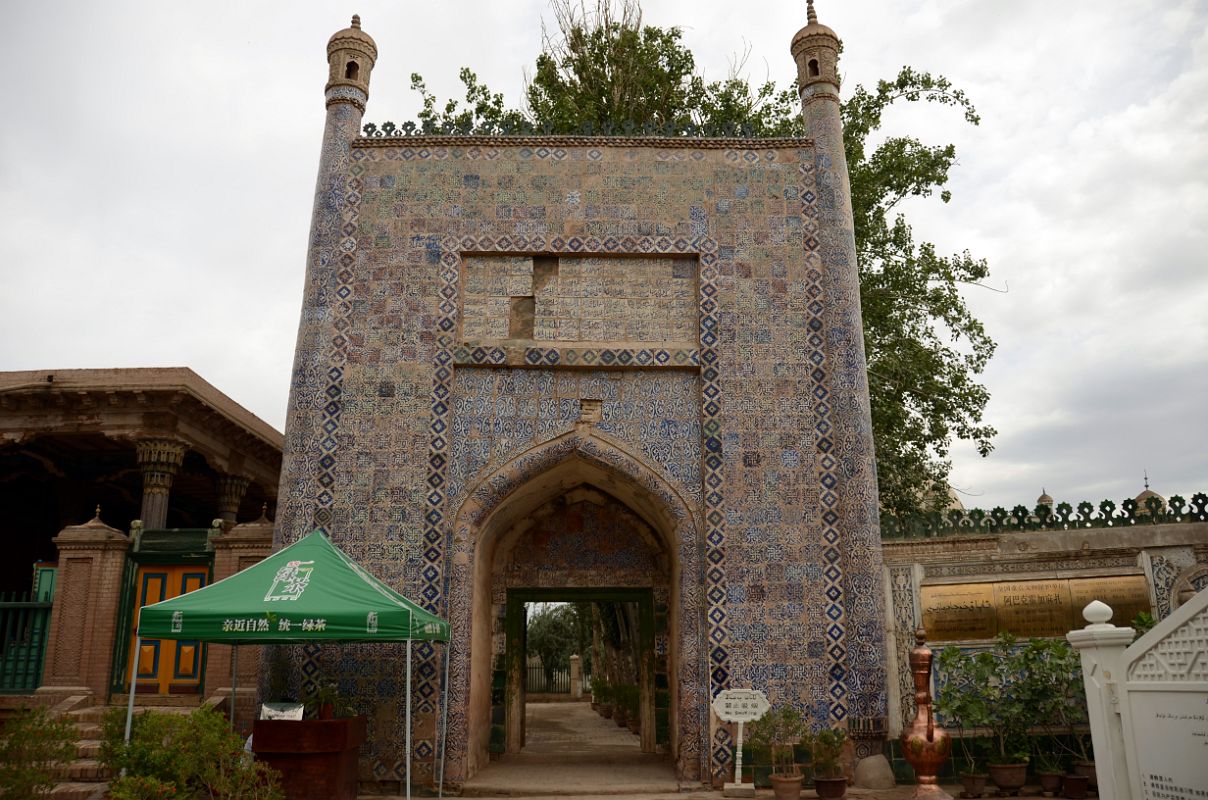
(810, 14)
(356, 21)
(1146, 473)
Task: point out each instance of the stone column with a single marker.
(231, 489)
(159, 459)
(1102, 646)
(576, 677)
(83, 622)
(234, 551)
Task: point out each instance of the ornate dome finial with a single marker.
(98, 512)
(1145, 472)
(356, 21)
(810, 14)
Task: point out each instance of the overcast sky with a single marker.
(157, 165)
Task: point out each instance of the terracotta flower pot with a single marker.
(974, 784)
(786, 787)
(620, 717)
(1087, 768)
(1050, 782)
(1074, 786)
(606, 710)
(1009, 778)
(831, 787)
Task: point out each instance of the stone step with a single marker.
(88, 748)
(79, 791)
(90, 714)
(88, 730)
(86, 769)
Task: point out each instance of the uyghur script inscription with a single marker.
(971, 611)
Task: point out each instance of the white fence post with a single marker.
(1101, 646)
(576, 677)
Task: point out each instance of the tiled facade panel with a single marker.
(583, 544)
(714, 247)
(499, 413)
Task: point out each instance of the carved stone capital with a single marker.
(159, 460)
(231, 489)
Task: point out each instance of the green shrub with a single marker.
(171, 755)
(34, 748)
(778, 731)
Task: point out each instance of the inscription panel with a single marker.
(966, 611)
(582, 299)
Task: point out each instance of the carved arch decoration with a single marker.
(503, 495)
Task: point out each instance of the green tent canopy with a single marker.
(307, 592)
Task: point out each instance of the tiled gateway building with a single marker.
(598, 365)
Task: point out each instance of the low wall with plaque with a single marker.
(975, 611)
(965, 589)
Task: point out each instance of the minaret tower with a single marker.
(851, 536)
(351, 54)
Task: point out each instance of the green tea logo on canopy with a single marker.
(290, 581)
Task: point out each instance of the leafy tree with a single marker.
(555, 633)
(925, 348)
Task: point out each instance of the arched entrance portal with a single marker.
(634, 532)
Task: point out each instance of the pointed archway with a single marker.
(501, 499)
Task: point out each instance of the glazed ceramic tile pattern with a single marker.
(700, 299)
(583, 544)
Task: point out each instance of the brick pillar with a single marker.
(231, 489)
(159, 459)
(79, 653)
(234, 551)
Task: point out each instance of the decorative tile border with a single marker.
(487, 354)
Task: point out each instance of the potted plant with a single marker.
(1051, 677)
(633, 714)
(321, 701)
(602, 696)
(621, 703)
(826, 754)
(971, 768)
(777, 732)
(995, 699)
(1049, 770)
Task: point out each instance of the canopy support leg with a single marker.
(234, 682)
(408, 719)
(444, 722)
(138, 645)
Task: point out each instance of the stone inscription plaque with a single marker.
(970, 611)
(1170, 729)
(1033, 608)
(961, 611)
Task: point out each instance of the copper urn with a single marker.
(925, 745)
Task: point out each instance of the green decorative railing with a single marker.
(671, 130)
(24, 624)
(1062, 517)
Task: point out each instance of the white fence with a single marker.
(1148, 703)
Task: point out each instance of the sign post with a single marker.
(741, 706)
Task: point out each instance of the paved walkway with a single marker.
(570, 749)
